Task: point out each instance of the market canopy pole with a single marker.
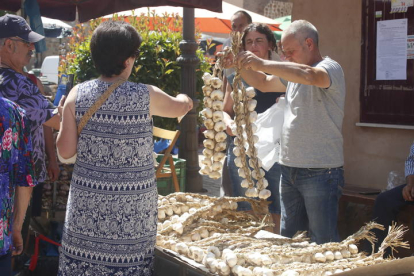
(188, 60)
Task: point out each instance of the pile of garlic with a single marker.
(244, 128)
(212, 114)
(205, 230)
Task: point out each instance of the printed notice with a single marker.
(392, 49)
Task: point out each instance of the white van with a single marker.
(49, 69)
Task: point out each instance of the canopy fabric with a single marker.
(54, 23)
(89, 9)
(208, 21)
(284, 23)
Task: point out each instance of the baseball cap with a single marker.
(13, 25)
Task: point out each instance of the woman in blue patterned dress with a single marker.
(111, 216)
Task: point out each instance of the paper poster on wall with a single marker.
(400, 5)
(410, 47)
(392, 49)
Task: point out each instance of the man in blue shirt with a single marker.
(388, 204)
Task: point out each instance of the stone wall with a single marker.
(269, 8)
(275, 9)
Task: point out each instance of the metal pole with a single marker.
(189, 135)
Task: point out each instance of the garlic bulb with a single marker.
(220, 126)
(245, 182)
(207, 90)
(216, 82)
(207, 162)
(217, 166)
(319, 257)
(208, 153)
(208, 102)
(209, 134)
(254, 174)
(220, 147)
(242, 174)
(217, 105)
(209, 124)
(236, 151)
(238, 162)
(204, 170)
(264, 194)
(329, 255)
(251, 105)
(178, 227)
(206, 78)
(251, 192)
(337, 255)
(207, 112)
(217, 116)
(220, 136)
(214, 175)
(250, 93)
(253, 117)
(209, 144)
(217, 95)
(353, 248)
(218, 156)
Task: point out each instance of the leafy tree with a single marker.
(156, 63)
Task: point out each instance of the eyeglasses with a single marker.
(28, 44)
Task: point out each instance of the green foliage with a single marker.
(157, 63)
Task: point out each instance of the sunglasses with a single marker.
(28, 44)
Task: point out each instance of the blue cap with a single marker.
(13, 25)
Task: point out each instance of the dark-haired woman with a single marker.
(111, 217)
(260, 40)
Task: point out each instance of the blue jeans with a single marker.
(272, 176)
(386, 209)
(309, 200)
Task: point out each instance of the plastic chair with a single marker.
(162, 171)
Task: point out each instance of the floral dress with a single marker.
(16, 165)
(111, 218)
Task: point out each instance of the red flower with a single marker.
(7, 139)
(29, 180)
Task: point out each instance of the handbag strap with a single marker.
(88, 114)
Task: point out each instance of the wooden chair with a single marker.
(161, 170)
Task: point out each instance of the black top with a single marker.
(264, 100)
